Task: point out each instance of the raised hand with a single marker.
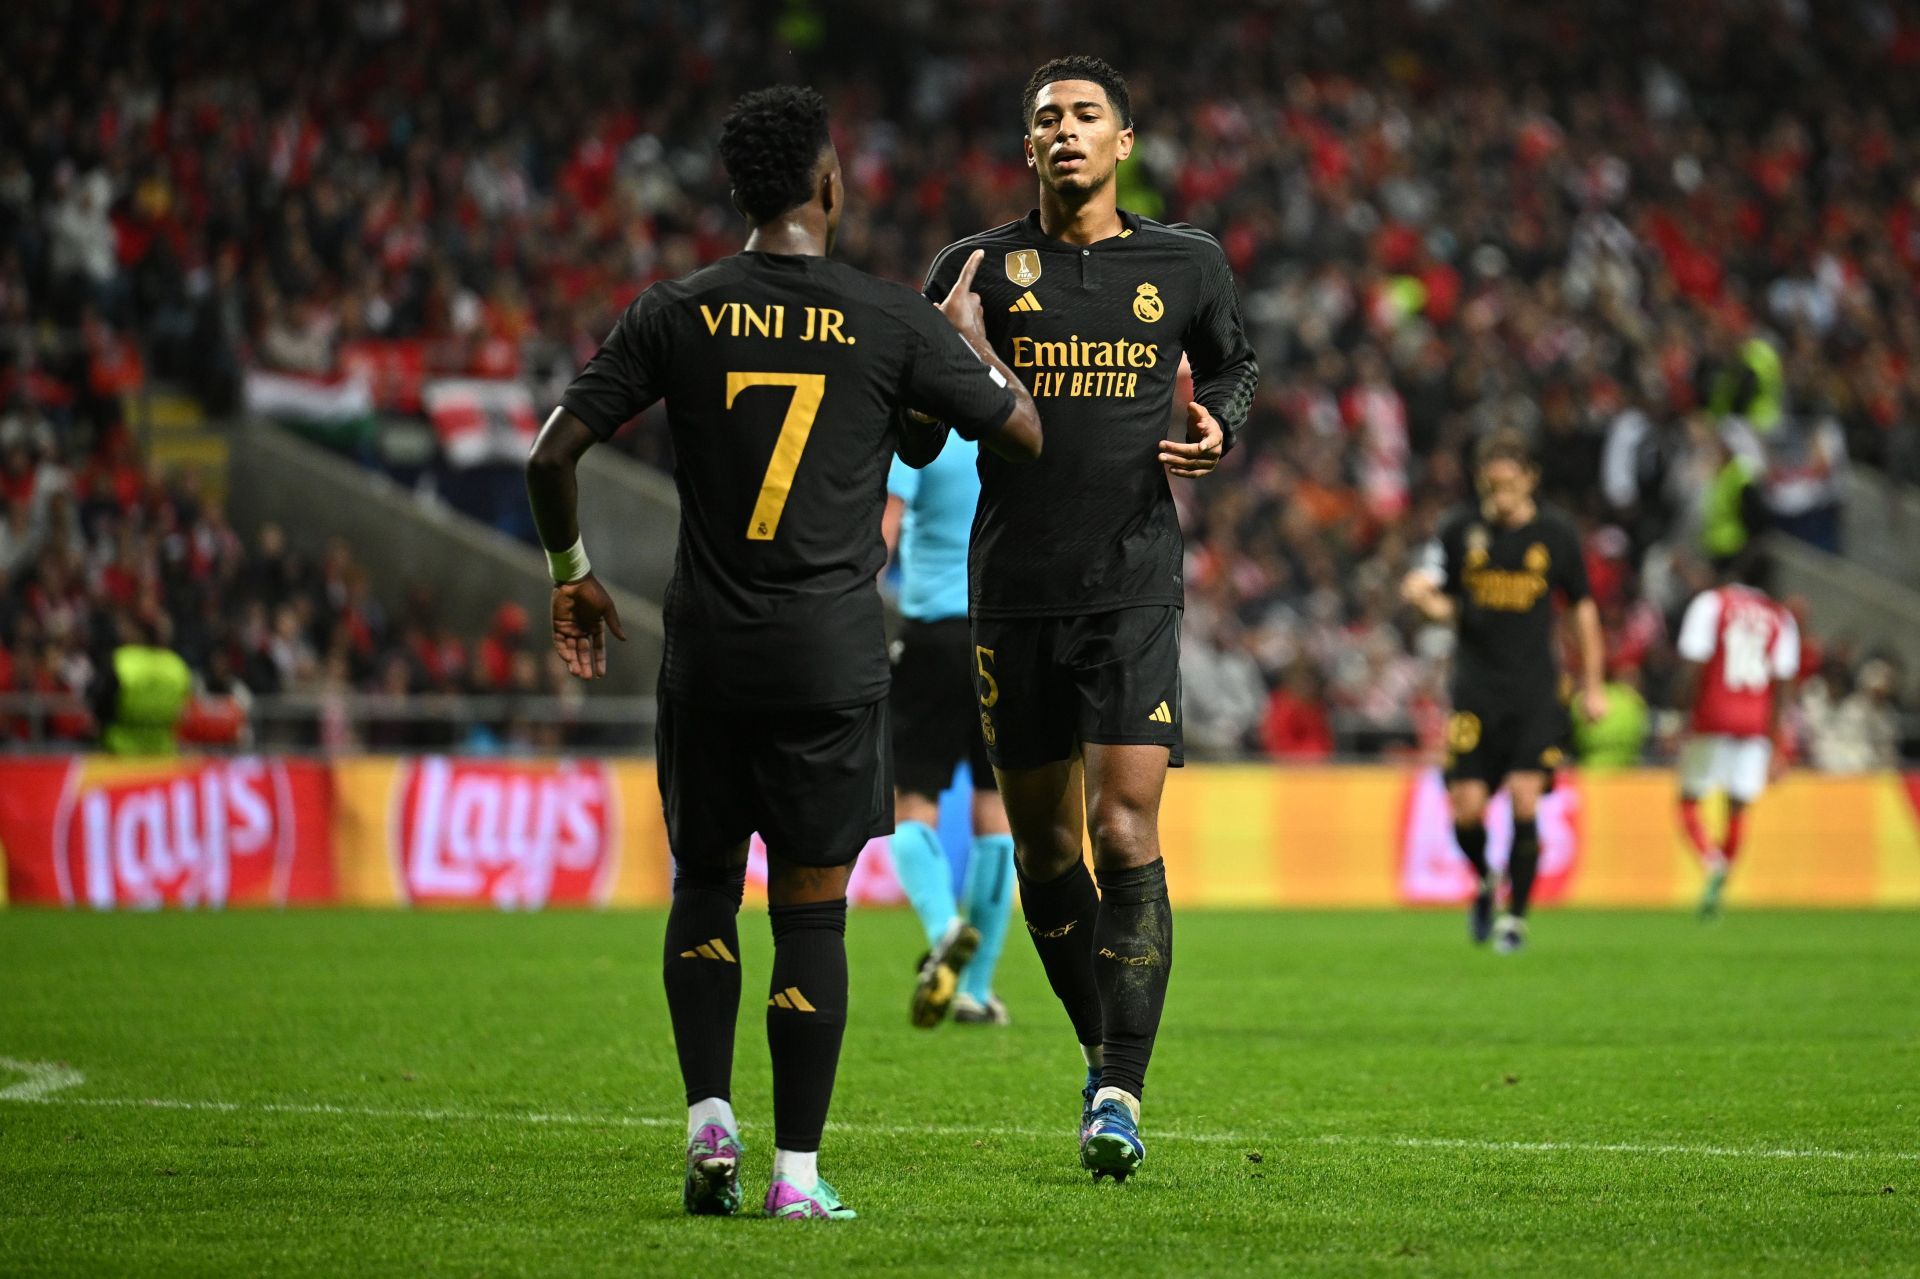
(962, 307)
(1201, 453)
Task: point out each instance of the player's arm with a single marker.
(1686, 684)
(946, 382)
(1570, 567)
(1427, 584)
(1225, 373)
(582, 610)
(918, 438)
(1593, 658)
(890, 520)
(902, 485)
(1699, 634)
(617, 384)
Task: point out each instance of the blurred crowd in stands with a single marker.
(93, 555)
(1673, 240)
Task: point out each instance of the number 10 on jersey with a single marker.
(808, 390)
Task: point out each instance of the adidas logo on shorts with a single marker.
(1161, 715)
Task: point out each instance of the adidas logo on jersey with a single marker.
(1026, 302)
(715, 949)
(793, 1000)
(1161, 715)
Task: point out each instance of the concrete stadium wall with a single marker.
(315, 495)
(1882, 527)
(1848, 600)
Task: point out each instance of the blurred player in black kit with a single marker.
(788, 379)
(1494, 569)
(1075, 567)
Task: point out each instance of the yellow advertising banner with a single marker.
(511, 834)
(436, 831)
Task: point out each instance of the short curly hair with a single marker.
(1079, 66)
(770, 143)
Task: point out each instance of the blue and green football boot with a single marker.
(1110, 1144)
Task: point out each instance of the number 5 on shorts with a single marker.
(808, 390)
(989, 689)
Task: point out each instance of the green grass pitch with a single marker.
(1333, 1094)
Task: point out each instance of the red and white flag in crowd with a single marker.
(482, 420)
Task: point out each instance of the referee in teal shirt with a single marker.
(935, 726)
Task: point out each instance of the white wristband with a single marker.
(569, 565)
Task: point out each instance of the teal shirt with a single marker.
(933, 534)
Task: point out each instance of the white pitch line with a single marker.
(1609, 1148)
(952, 1130)
(42, 1078)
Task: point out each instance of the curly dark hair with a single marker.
(770, 143)
(1079, 66)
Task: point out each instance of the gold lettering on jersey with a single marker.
(1023, 266)
(1504, 590)
(1147, 306)
(1114, 385)
(744, 320)
(1078, 367)
(1031, 353)
(823, 325)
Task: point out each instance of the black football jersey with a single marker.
(1096, 332)
(1504, 581)
(783, 377)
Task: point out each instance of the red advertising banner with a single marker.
(110, 834)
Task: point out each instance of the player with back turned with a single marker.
(788, 380)
(1494, 569)
(1075, 565)
(1740, 653)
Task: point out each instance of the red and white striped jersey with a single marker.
(1745, 643)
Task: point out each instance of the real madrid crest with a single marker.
(1538, 561)
(1147, 306)
(1023, 266)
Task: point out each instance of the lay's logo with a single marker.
(517, 836)
(188, 835)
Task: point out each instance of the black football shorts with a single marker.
(816, 784)
(1044, 685)
(1488, 740)
(935, 725)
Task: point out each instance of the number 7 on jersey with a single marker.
(808, 390)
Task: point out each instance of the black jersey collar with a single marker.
(1130, 223)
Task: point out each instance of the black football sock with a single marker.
(1522, 864)
(1132, 959)
(702, 965)
(1473, 846)
(1060, 919)
(806, 1017)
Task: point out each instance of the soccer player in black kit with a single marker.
(1494, 569)
(1074, 569)
(789, 381)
